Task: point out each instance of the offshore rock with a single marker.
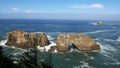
(24, 40)
(100, 23)
(81, 42)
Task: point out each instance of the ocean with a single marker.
(107, 35)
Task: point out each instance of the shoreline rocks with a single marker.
(81, 42)
(24, 40)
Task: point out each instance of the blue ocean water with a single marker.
(107, 35)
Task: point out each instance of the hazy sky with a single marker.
(60, 9)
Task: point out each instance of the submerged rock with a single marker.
(52, 48)
(81, 42)
(24, 40)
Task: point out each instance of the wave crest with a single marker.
(99, 31)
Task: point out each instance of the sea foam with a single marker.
(106, 49)
(46, 48)
(99, 31)
(94, 24)
(84, 65)
(118, 39)
(2, 42)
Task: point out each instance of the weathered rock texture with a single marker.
(43, 40)
(24, 40)
(81, 41)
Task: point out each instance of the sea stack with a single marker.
(100, 23)
(23, 40)
(81, 42)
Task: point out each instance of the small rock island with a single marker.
(100, 22)
(64, 42)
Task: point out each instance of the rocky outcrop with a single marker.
(43, 40)
(100, 23)
(24, 40)
(81, 42)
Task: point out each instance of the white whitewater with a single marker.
(46, 48)
(106, 47)
(50, 38)
(99, 31)
(84, 65)
(118, 39)
(93, 23)
(111, 40)
(3, 42)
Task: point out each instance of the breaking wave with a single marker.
(99, 31)
(118, 39)
(94, 24)
(109, 40)
(2, 42)
(46, 48)
(50, 38)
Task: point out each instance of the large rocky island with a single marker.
(80, 42)
(24, 40)
(64, 42)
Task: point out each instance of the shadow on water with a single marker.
(26, 59)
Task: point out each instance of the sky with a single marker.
(60, 9)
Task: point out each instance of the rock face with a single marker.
(43, 40)
(24, 40)
(80, 41)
